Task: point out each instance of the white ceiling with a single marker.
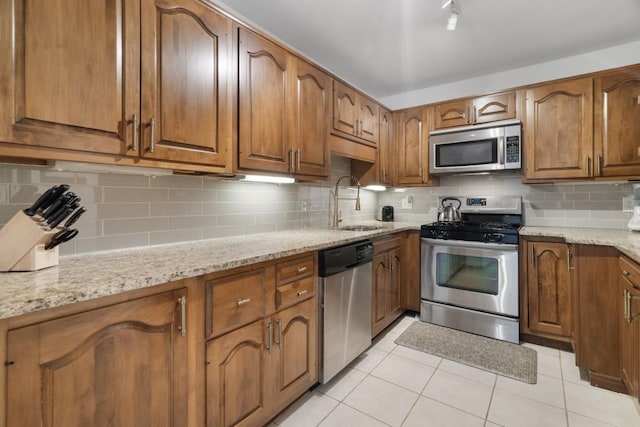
(387, 47)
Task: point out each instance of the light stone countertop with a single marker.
(86, 277)
(627, 242)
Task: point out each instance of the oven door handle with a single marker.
(471, 245)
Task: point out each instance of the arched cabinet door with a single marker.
(124, 364)
(616, 127)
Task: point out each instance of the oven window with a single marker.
(467, 153)
(470, 273)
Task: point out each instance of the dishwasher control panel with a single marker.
(341, 258)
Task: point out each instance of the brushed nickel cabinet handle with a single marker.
(626, 273)
(301, 270)
(599, 165)
(588, 163)
(474, 117)
(152, 134)
(533, 256)
(243, 301)
(134, 135)
(183, 315)
(291, 167)
(569, 259)
(302, 292)
(279, 325)
(298, 159)
(269, 336)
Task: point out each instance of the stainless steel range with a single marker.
(469, 268)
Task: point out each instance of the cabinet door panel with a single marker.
(312, 90)
(60, 90)
(185, 55)
(630, 337)
(617, 123)
(345, 113)
(235, 378)
(119, 365)
(548, 287)
(454, 113)
(295, 352)
(386, 150)
(263, 140)
(393, 289)
(491, 108)
(559, 125)
(412, 147)
(369, 120)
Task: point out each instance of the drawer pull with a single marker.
(183, 315)
(302, 270)
(243, 301)
(269, 336)
(302, 292)
(626, 273)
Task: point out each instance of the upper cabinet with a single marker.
(284, 110)
(130, 78)
(616, 127)
(470, 111)
(412, 137)
(386, 149)
(355, 116)
(558, 130)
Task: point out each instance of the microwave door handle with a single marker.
(501, 150)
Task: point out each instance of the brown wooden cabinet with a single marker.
(144, 79)
(558, 130)
(410, 285)
(489, 108)
(629, 291)
(284, 110)
(386, 149)
(548, 289)
(616, 126)
(387, 278)
(263, 365)
(355, 116)
(412, 139)
(124, 364)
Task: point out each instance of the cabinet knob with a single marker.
(302, 292)
(301, 270)
(243, 301)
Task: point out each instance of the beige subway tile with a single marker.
(212, 233)
(176, 181)
(4, 194)
(120, 180)
(121, 210)
(134, 225)
(601, 206)
(88, 228)
(107, 243)
(608, 196)
(186, 195)
(175, 236)
(176, 209)
(239, 219)
(139, 195)
(183, 222)
(270, 217)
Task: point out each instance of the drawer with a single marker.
(294, 292)
(295, 269)
(630, 270)
(234, 301)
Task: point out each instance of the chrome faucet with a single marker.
(336, 219)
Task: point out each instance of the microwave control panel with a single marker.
(513, 149)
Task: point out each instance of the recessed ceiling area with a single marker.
(390, 47)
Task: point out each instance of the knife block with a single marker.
(22, 241)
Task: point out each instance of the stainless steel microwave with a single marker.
(479, 148)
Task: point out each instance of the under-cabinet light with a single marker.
(375, 187)
(399, 190)
(269, 178)
(62, 165)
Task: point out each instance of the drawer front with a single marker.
(630, 270)
(294, 292)
(234, 301)
(295, 269)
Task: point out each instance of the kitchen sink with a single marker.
(360, 227)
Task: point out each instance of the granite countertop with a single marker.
(86, 277)
(627, 242)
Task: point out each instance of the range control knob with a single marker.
(492, 237)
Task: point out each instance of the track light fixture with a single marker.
(454, 12)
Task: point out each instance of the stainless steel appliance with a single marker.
(469, 269)
(345, 305)
(386, 213)
(450, 213)
(479, 148)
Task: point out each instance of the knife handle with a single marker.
(61, 237)
(74, 217)
(39, 202)
(59, 217)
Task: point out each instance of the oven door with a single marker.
(475, 275)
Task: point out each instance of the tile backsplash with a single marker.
(129, 210)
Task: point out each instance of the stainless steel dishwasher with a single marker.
(345, 305)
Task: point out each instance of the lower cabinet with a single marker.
(547, 281)
(629, 292)
(256, 370)
(387, 276)
(124, 364)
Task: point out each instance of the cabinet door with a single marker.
(345, 109)
(559, 126)
(410, 285)
(617, 123)
(453, 113)
(121, 365)
(386, 149)
(395, 279)
(369, 116)
(235, 376)
(73, 85)
(378, 291)
(549, 285)
(263, 140)
(186, 97)
(490, 108)
(629, 334)
(310, 117)
(295, 355)
(412, 138)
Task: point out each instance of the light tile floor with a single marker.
(391, 385)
